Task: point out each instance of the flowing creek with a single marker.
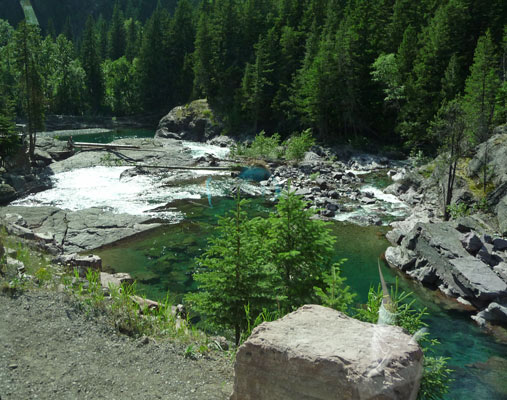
(162, 260)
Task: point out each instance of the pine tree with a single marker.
(448, 129)
(68, 79)
(233, 273)
(9, 140)
(480, 97)
(256, 84)
(153, 70)
(27, 39)
(301, 249)
(116, 35)
(91, 64)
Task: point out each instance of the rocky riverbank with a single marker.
(466, 258)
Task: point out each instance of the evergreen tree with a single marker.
(443, 36)
(101, 33)
(133, 39)
(116, 35)
(256, 84)
(153, 65)
(232, 273)
(27, 39)
(91, 64)
(480, 97)
(301, 249)
(448, 129)
(451, 81)
(337, 294)
(68, 80)
(180, 49)
(9, 140)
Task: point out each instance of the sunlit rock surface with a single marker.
(319, 353)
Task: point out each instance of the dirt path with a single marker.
(49, 349)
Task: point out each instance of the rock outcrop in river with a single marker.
(194, 121)
(71, 231)
(465, 259)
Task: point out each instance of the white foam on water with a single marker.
(379, 194)
(102, 187)
(201, 149)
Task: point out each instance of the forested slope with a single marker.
(352, 70)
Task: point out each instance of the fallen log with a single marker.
(103, 145)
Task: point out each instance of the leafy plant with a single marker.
(298, 145)
(458, 210)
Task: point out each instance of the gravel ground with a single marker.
(49, 349)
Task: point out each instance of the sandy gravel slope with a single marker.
(49, 349)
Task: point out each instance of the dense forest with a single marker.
(384, 71)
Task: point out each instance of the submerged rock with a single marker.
(319, 353)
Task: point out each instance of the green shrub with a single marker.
(298, 145)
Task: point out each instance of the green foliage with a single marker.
(9, 140)
(232, 272)
(121, 86)
(298, 145)
(264, 147)
(457, 210)
(336, 295)
(436, 378)
(263, 264)
(436, 374)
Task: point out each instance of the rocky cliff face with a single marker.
(319, 353)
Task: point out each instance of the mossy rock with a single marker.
(194, 121)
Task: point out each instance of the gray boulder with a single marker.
(495, 314)
(501, 211)
(7, 193)
(438, 246)
(81, 262)
(471, 243)
(194, 121)
(319, 353)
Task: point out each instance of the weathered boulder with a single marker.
(73, 231)
(500, 244)
(118, 279)
(495, 314)
(319, 353)
(194, 121)
(436, 248)
(501, 211)
(471, 243)
(81, 263)
(7, 193)
(53, 149)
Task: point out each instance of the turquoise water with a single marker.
(162, 260)
(108, 137)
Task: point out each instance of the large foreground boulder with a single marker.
(194, 121)
(319, 353)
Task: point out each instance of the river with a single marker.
(162, 260)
